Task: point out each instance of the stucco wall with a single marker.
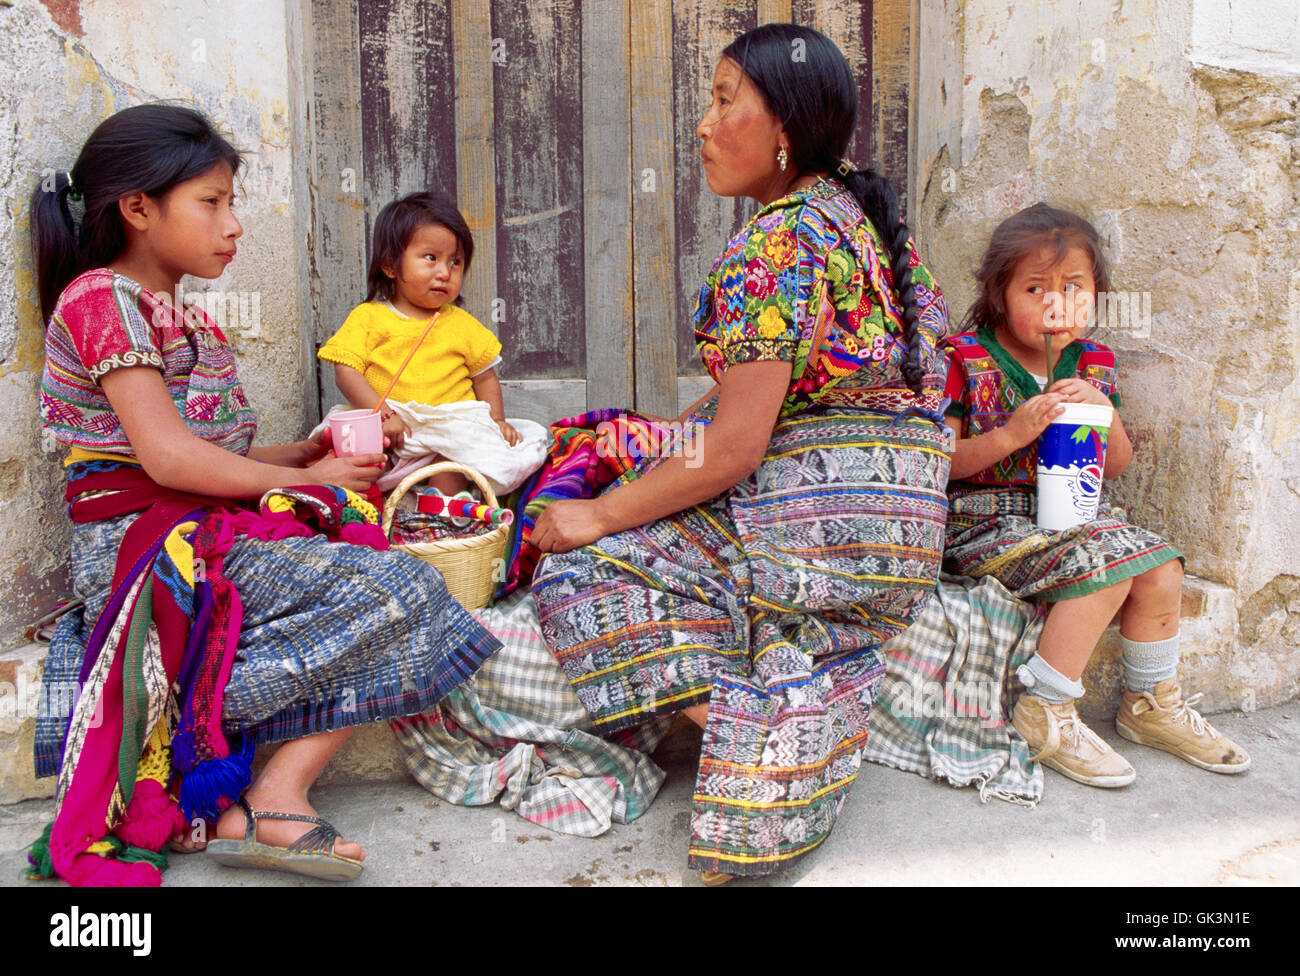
(1173, 127)
(64, 66)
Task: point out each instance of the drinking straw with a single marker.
(1048, 337)
(405, 362)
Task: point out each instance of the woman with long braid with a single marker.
(752, 591)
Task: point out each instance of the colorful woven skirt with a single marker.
(333, 635)
(769, 603)
(993, 533)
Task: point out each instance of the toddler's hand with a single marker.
(1076, 390)
(511, 435)
(396, 431)
(1032, 418)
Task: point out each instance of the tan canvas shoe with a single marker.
(1065, 744)
(1162, 719)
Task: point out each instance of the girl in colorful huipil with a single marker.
(1040, 277)
(203, 635)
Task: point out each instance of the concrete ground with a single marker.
(1175, 826)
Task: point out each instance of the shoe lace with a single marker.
(1184, 712)
(1069, 729)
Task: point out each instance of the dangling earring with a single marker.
(782, 158)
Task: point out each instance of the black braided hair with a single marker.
(143, 149)
(816, 99)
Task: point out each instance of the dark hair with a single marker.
(144, 149)
(1021, 235)
(397, 224)
(816, 99)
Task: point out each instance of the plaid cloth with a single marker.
(516, 734)
(944, 707)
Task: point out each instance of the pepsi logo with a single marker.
(1089, 480)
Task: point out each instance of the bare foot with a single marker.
(279, 833)
(191, 840)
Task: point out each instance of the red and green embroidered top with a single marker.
(987, 385)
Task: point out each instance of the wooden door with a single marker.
(565, 131)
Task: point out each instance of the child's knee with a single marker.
(1165, 580)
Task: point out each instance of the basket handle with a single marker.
(428, 471)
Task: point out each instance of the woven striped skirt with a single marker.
(993, 532)
(769, 603)
(334, 635)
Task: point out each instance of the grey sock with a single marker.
(1147, 663)
(1047, 683)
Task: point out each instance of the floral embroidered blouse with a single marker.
(807, 281)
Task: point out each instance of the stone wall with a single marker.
(1171, 125)
(65, 66)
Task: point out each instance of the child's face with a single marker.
(1047, 297)
(192, 229)
(431, 271)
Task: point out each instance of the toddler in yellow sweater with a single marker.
(422, 251)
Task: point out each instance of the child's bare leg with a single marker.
(1151, 611)
(449, 482)
(282, 788)
(1075, 625)
(699, 714)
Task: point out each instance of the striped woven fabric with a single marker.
(944, 708)
(769, 603)
(993, 532)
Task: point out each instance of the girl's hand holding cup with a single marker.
(1076, 390)
(1032, 417)
(354, 473)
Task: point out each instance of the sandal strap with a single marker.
(320, 839)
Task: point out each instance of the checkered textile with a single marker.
(944, 708)
(516, 734)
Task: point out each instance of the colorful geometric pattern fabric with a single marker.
(516, 734)
(994, 532)
(807, 281)
(587, 453)
(105, 321)
(986, 386)
(944, 708)
(778, 634)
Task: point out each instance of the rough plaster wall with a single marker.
(1190, 170)
(64, 66)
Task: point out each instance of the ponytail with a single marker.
(879, 202)
(144, 149)
(54, 239)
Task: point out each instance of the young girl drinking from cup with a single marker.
(1039, 280)
(198, 641)
(422, 252)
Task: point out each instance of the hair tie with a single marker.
(73, 193)
(845, 167)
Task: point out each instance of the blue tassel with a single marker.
(216, 779)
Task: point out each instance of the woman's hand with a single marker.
(511, 435)
(569, 524)
(1076, 390)
(1031, 419)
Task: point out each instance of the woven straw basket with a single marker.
(467, 565)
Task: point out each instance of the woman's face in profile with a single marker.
(740, 137)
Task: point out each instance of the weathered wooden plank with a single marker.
(771, 12)
(546, 401)
(704, 220)
(653, 206)
(471, 30)
(337, 168)
(407, 93)
(607, 201)
(537, 99)
(891, 56)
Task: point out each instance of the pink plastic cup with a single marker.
(357, 432)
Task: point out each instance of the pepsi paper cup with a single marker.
(1071, 456)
